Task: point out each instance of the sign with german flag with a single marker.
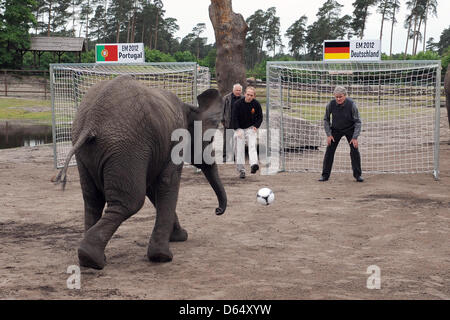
(351, 50)
(120, 53)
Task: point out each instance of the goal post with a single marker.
(70, 82)
(398, 102)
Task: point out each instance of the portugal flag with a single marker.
(107, 53)
(337, 50)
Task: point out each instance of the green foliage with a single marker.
(297, 34)
(444, 40)
(157, 56)
(210, 60)
(88, 57)
(445, 59)
(184, 56)
(16, 19)
(329, 25)
(427, 55)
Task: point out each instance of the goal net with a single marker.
(398, 102)
(70, 82)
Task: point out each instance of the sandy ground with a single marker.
(316, 241)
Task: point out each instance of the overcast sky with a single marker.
(189, 13)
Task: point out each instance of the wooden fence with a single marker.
(25, 83)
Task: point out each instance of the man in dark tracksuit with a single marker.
(229, 101)
(345, 122)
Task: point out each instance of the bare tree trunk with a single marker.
(414, 34)
(425, 26)
(49, 19)
(392, 32)
(128, 30)
(418, 34)
(230, 30)
(156, 28)
(382, 24)
(118, 32)
(424, 33)
(407, 40)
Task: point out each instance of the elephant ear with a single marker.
(210, 107)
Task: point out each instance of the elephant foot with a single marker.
(159, 254)
(91, 257)
(178, 235)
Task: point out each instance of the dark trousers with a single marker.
(331, 149)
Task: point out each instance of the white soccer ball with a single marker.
(265, 196)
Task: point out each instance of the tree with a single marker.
(118, 11)
(383, 9)
(430, 10)
(360, 14)
(297, 36)
(432, 45)
(444, 40)
(230, 30)
(408, 22)
(256, 36)
(273, 38)
(16, 19)
(197, 31)
(328, 26)
(394, 6)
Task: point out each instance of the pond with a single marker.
(13, 135)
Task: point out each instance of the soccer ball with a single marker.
(265, 196)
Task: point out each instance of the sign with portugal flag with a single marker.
(351, 50)
(120, 53)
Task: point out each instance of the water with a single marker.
(13, 135)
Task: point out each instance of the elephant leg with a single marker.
(178, 234)
(166, 197)
(94, 200)
(125, 195)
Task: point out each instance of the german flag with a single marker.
(336, 50)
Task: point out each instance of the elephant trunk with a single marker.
(212, 174)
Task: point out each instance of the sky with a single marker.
(189, 13)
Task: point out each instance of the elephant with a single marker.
(447, 92)
(121, 137)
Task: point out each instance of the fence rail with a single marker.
(25, 83)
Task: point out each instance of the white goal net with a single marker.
(398, 102)
(70, 82)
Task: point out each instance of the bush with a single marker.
(157, 56)
(184, 56)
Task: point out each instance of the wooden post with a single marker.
(6, 85)
(230, 30)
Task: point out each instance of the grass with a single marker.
(32, 110)
(316, 113)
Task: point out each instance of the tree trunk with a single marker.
(156, 29)
(418, 34)
(407, 40)
(230, 30)
(382, 24)
(425, 26)
(49, 19)
(118, 32)
(392, 31)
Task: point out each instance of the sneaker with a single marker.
(323, 179)
(255, 168)
(359, 179)
(242, 175)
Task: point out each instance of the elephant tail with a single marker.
(62, 175)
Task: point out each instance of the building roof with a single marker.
(57, 44)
